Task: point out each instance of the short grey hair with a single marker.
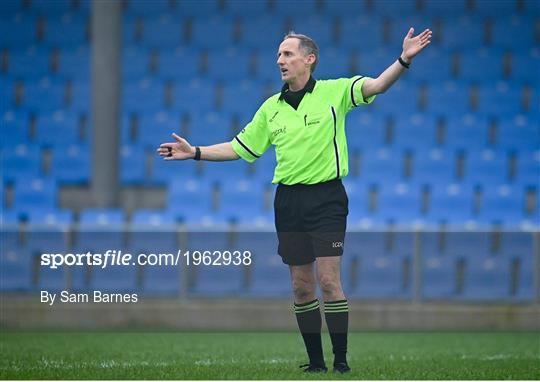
(307, 45)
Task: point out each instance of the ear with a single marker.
(310, 59)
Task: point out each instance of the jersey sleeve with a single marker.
(353, 96)
(253, 140)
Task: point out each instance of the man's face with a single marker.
(292, 62)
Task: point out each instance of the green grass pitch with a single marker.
(388, 355)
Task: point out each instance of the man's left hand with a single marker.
(414, 45)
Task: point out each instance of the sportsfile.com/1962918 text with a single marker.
(119, 258)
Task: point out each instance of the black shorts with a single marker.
(310, 221)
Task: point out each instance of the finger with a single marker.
(410, 33)
(168, 144)
(178, 139)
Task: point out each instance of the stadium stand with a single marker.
(455, 143)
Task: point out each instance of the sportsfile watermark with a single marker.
(113, 257)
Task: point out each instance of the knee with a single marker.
(330, 285)
(304, 291)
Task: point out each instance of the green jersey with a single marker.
(311, 146)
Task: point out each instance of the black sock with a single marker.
(309, 321)
(337, 320)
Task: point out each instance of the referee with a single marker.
(306, 124)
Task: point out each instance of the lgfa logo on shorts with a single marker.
(337, 244)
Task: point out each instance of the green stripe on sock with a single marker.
(331, 305)
(340, 310)
(306, 308)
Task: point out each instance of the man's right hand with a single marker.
(179, 150)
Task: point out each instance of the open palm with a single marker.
(414, 45)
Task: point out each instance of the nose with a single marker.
(279, 60)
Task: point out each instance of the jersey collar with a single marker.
(310, 85)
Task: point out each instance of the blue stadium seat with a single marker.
(486, 167)
(262, 31)
(356, 24)
(14, 128)
(362, 209)
(189, 198)
(450, 203)
(35, 194)
(242, 97)
(47, 233)
(503, 204)
(81, 97)
(265, 165)
(15, 269)
(513, 32)
(246, 9)
(395, 7)
(155, 128)
(179, 64)
(71, 165)
(481, 65)
(154, 232)
(528, 168)
(417, 131)
(45, 95)
(434, 166)
(267, 68)
(383, 277)
(210, 128)
(439, 276)
(471, 27)
(399, 203)
(286, 8)
(10, 8)
(236, 170)
(144, 95)
(344, 7)
(319, 28)
(465, 243)
(400, 25)
(136, 62)
(51, 8)
(163, 171)
(449, 93)
(269, 277)
(58, 129)
(133, 165)
(199, 9)
(518, 133)
(99, 230)
(29, 64)
(74, 62)
(333, 63)
(165, 32)
(7, 93)
(467, 131)
(212, 280)
(230, 64)
(220, 30)
(401, 100)
(240, 199)
(148, 8)
(381, 165)
(487, 278)
(497, 9)
(185, 102)
(523, 64)
(491, 96)
(366, 131)
(373, 63)
(66, 32)
(25, 36)
(434, 64)
(450, 9)
(518, 247)
(21, 161)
